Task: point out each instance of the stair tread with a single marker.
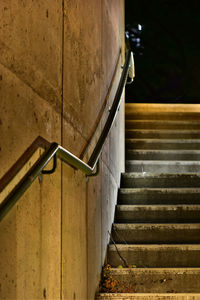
(189, 116)
(179, 151)
(159, 180)
(155, 270)
(159, 196)
(130, 296)
(163, 154)
(162, 133)
(139, 121)
(159, 175)
(164, 162)
(149, 296)
(124, 207)
(157, 280)
(159, 255)
(162, 107)
(174, 226)
(155, 247)
(174, 141)
(162, 130)
(160, 189)
(157, 213)
(162, 124)
(159, 166)
(154, 232)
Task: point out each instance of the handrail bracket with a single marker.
(54, 166)
(97, 170)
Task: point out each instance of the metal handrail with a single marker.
(56, 151)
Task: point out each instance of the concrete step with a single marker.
(155, 256)
(162, 134)
(158, 280)
(159, 124)
(148, 296)
(163, 144)
(157, 213)
(160, 166)
(156, 233)
(157, 222)
(162, 115)
(165, 155)
(161, 107)
(170, 196)
(139, 180)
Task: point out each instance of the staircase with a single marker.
(156, 234)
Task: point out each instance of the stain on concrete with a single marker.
(44, 293)
(35, 116)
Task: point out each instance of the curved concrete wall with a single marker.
(56, 64)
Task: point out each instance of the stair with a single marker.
(154, 251)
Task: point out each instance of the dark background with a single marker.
(166, 52)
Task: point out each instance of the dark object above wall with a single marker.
(164, 38)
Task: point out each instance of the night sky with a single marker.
(166, 50)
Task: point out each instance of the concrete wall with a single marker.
(56, 64)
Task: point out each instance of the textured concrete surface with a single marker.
(56, 67)
(94, 45)
(30, 89)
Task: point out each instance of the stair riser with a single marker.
(151, 155)
(161, 182)
(153, 234)
(162, 146)
(169, 167)
(162, 125)
(161, 134)
(156, 257)
(162, 215)
(159, 280)
(158, 197)
(168, 116)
